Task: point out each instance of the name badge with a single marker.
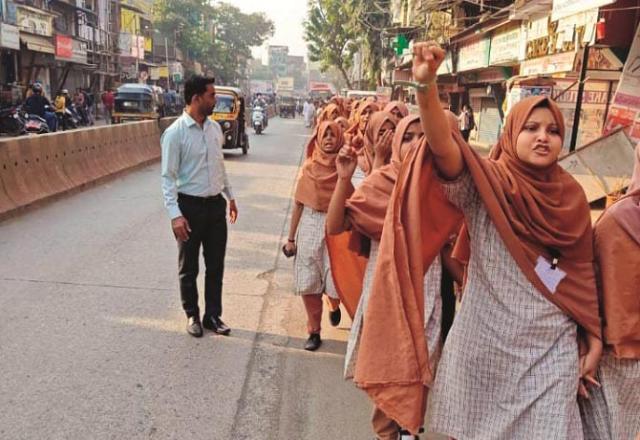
(549, 274)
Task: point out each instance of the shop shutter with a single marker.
(489, 122)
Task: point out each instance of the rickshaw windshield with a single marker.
(224, 104)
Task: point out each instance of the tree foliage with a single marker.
(368, 20)
(330, 38)
(220, 37)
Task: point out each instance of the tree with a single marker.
(368, 20)
(219, 37)
(235, 34)
(330, 39)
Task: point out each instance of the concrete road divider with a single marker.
(36, 168)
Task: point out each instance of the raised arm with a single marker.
(346, 164)
(427, 58)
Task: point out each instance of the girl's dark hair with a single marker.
(196, 85)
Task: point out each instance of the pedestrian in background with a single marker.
(613, 410)
(467, 122)
(308, 112)
(108, 102)
(194, 180)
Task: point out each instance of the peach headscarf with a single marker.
(401, 106)
(539, 212)
(319, 175)
(393, 361)
(617, 248)
(371, 135)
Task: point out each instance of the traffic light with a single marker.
(400, 43)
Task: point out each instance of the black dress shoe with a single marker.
(313, 343)
(335, 316)
(194, 328)
(216, 325)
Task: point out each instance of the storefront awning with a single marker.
(38, 44)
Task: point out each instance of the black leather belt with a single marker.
(199, 199)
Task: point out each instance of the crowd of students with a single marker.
(395, 212)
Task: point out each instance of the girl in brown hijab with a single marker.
(306, 234)
(613, 411)
(373, 145)
(367, 214)
(398, 109)
(510, 368)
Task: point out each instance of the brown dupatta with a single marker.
(539, 213)
(393, 362)
(617, 248)
(366, 209)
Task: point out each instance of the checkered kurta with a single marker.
(358, 177)
(613, 411)
(311, 268)
(509, 367)
(432, 312)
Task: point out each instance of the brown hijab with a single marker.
(400, 106)
(371, 136)
(359, 110)
(367, 206)
(617, 248)
(319, 175)
(539, 212)
(627, 211)
(393, 361)
(366, 210)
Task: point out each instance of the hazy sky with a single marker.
(287, 16)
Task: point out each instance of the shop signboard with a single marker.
(594, 108)
(625, 111)
(474, 55)
(558, 63)
(507, 47)
(79, 54)
(565, 8)
(35, 22)
(124, 43)
(446, 68)
(64, 46)
(520, 92)
(9, 36)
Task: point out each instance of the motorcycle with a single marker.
(33, 123)
(258, 120)
(68, 120)
(10, 121)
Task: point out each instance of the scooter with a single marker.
(258, 120)
(33, 124)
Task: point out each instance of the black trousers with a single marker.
(208, 221)
(465, 134)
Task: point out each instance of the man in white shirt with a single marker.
(193, 181)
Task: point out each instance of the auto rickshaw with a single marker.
(287, 106)
(135, 102)
(230, 113)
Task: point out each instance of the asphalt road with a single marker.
(92, 340)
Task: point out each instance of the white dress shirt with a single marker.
(192, 162)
